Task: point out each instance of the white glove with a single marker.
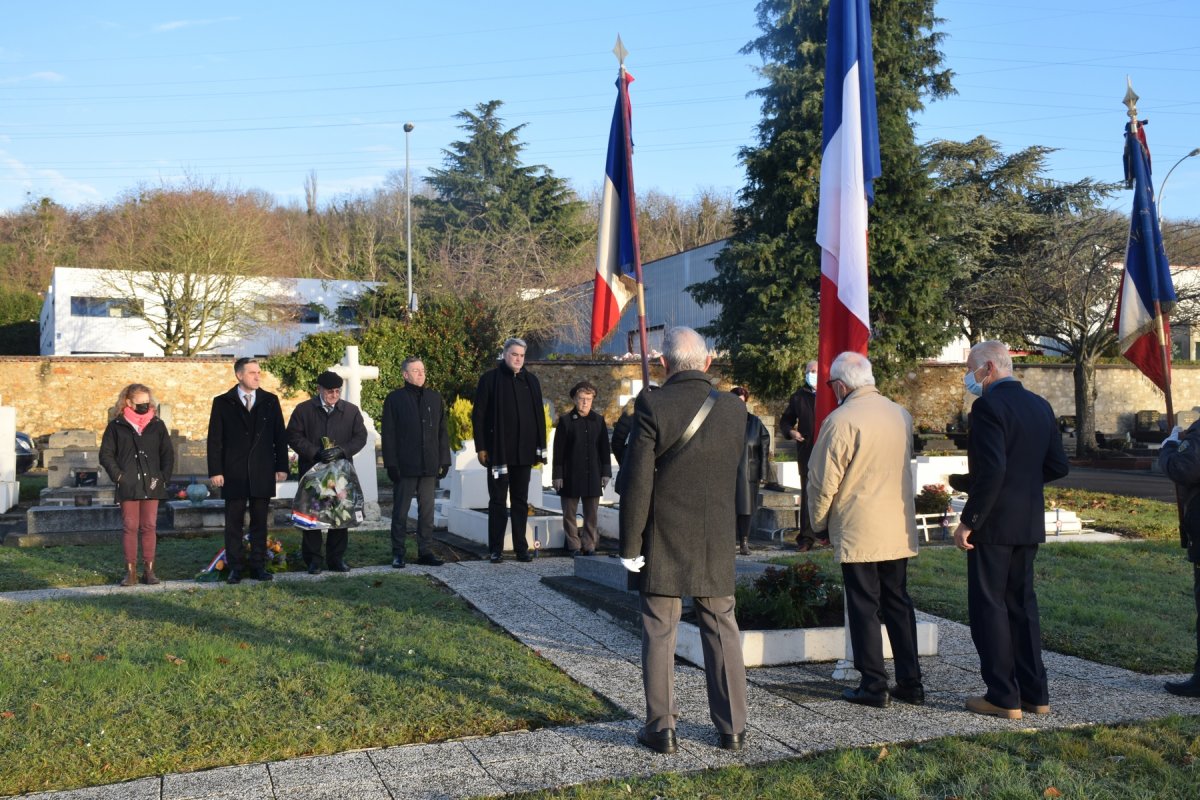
(1174, 436)
(634, 564)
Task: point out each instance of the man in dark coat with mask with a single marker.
(247, 455)
(797, 424)
(1180, 461)
(416, 452)
(326, 416)
(510, 437)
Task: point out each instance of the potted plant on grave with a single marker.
(796, 596)
(932, 499)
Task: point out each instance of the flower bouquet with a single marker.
(329, 496)
(218, 568)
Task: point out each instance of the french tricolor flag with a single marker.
(1147, 295)
(849, 163)
(618, 264)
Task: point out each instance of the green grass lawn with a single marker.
(1158, 759)
(107, 689)
(1128, 604)
(93, 565)
(1132, 516)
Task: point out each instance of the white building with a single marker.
(82, 314)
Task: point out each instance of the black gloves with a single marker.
(444, 471)
(330, 454)
(393, 474)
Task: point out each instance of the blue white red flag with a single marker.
(849, 164)
(1147, 295)
(617, 256)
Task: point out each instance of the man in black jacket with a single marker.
(326, 416)
(1180, 461)
(1014, 449)
(797, 425)
(510, 437)
(416, 452)
(247, 454)
(677, 510)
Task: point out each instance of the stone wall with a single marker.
(61, 393)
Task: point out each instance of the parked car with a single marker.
(26, 452)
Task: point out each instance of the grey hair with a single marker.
(993, 351)
(513, 340)
(408, 362)
(812, 364)
(852, 369)
(684, 349)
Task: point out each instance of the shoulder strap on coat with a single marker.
(690, 430)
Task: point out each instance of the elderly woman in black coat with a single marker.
(136, 453)
(752, 472)
(581, 467)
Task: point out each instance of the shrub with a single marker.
(933, 499)
(796, 596)
(458, 423)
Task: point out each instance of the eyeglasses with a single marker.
(832, 381)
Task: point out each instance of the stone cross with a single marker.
(354, 373)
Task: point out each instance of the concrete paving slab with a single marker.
(226, 783)
(141, 789)
(344, 768)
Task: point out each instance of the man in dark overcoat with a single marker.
(677, 510)
(416, 452)
(247, 455)
(1014, 448)
(797, 424)
(582, 465)
(1180, 461)
(326, 416)
(510, 437)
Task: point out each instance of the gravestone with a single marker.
(10, 489)
(365, 461)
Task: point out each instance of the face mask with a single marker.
(811, 379)
(973, 386)
(141, 408)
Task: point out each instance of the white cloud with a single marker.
(41, 183)
(46, 77)
(180, 24)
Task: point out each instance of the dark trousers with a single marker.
(724, 669)
(877, 589)
(1005, 625)
(336, 540)
(1196, 592)
(422, 487)
(591, 516)
(235, 520)
(513, 486)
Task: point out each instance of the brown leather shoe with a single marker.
(980, 705)
(148, 577)
(131, 578)
(1033, 708)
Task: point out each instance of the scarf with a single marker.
(138, 421)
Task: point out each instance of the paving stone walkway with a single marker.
(793, 710)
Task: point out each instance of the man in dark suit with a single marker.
(326, 416)
(247, 454)
(1179, 460)
(677, 510)
(1014, 449)
(797, 424)
(416, 452)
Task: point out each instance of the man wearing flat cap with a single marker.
(326, 416)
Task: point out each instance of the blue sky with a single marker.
(96, 99)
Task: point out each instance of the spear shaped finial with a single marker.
(1131, 98)
(619, 51)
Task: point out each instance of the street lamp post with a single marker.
(408, 217)
(1162, 186)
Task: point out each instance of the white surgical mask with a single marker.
(811, 379)
(973, 386)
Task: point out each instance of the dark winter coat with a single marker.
(139, 464)
(620, 436)
(1013, 450)
(581, 454)
(800, 415)
(752, 469)
(1180, 461)
(681, 515)
(343, 426)
(415, 439)
(509, 421)
(246, 447)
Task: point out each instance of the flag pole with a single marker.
(1160, 316)
(620, 52)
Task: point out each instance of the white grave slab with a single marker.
(10, 489)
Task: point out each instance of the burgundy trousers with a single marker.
(139, 520)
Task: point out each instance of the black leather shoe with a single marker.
(495, 558)
(398, 562)
(1188, 688)
(260, 574)
(430, 561)
(659, 741)
(314, 568)
(733, 741)
(862, 697)
(525, 558)
(340, 566)
(914, 694)
(235, 576)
